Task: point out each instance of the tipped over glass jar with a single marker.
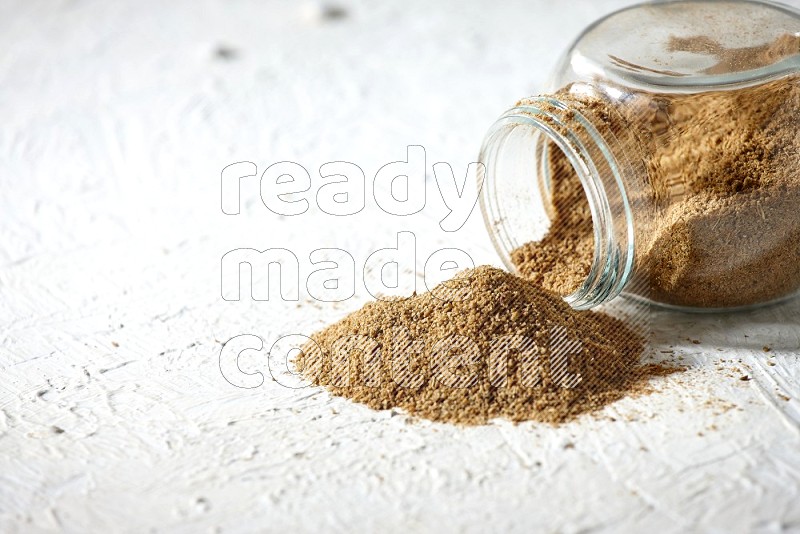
(663, 164)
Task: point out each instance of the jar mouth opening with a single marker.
(517, 186)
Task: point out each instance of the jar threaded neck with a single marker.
(515, 157)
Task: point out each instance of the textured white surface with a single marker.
(117, 120)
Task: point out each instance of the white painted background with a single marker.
(117, 118)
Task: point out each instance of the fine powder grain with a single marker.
(484, 345)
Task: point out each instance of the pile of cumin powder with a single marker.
(486, 344)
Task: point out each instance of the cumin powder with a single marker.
(723, 176)
(486, 344)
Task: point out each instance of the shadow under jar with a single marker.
(663, 164)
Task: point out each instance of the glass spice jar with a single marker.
(664, 162)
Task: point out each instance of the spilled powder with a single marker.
(484, 345)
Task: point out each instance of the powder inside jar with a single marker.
(561, 260)
(728, 170)
(723, 177)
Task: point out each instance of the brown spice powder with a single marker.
(483, 345)
(561, 260)
(724, 175)
(729, 167)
